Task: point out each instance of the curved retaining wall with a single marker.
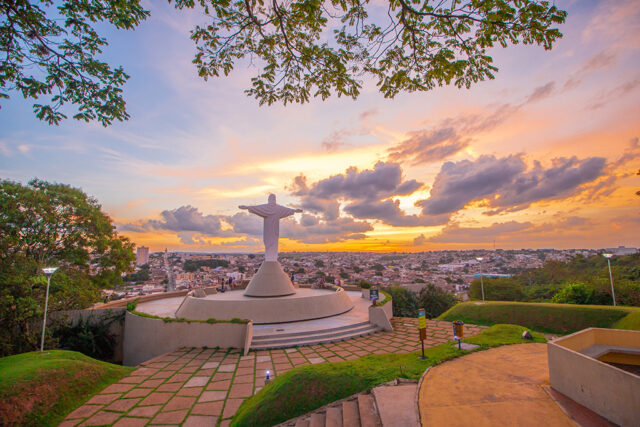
(146, 338)
(271, 310)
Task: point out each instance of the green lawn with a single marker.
(306, 388)
(545, 317)
(39, 389)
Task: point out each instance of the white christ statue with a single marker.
(272, 213)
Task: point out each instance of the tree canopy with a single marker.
(302, 48)
(52, 52)
(43, 225)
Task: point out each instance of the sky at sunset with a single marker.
(545, 155)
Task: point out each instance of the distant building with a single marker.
(621, 250)
(142, 256)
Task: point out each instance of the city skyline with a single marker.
(544, 155)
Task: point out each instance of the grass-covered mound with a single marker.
(545, 317)
(630, 321)
(307, 388)
(41, 388)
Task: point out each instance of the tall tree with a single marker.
(52, 52)
(44, 224)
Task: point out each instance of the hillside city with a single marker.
(452, 271)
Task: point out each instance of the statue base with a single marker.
(270, 281)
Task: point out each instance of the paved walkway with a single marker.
(497, 387)
(195, 386)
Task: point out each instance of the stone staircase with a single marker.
(355, 411)
(390, 405)
(263, 341)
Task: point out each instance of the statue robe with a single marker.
(272, 213)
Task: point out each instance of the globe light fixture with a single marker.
(267, 377)
(613, 293)
(48, 271)
(481, 281)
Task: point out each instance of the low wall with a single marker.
(142, 298)
(268, 310)
(605, 389)
(146, 338)
(381, 314)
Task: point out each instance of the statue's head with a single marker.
(272, 199)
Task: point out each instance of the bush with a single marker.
(90, 336)
(498, 289)
(435, 301)
(405, 302)
(575, 293)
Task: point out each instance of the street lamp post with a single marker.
(48, 271)
(481, 281)
(613, 292)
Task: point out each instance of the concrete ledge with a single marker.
(146, 338)
(605, 389)
(328, 303)
(380, 315)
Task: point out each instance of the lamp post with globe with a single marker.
(613, 293)
(48, 271)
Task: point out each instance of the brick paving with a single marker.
(205, 387)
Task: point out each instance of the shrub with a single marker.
(405, 302)
(575, 293)
(498, 289)
(434, 300)
(90, 336)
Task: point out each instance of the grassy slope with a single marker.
(545, 317)
(306, 388)
(41, 388)
(630, 321)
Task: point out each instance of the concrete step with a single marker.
(302, 423)
(321, 334)
(396, 405)
(312, 339)
(266, 334)
(368, 413)
(334, 417)
(350, 415)
(317, 420)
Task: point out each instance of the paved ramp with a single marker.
(497, 387)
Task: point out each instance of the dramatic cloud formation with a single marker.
(186, 220)
(427, 146)
(506, 184)
(363, 194)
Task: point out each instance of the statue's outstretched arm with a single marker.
(243, 207)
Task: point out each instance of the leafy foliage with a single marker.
(434, 300)
(497, 289)
(314, 48)
(91, 336)
(43, 224)
(53, 54)
(196, 265)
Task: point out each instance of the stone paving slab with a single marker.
(195, 386)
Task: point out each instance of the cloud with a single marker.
(182, 220)
(427, 146)
(506, 184)
(459, 183)
(420, 240)
(449, 137)
(541, 92)
(616, 93)
(594, 63)
(365, 194)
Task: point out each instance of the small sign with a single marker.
(422, 320)
(373, 295)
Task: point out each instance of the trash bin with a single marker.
(458, 329)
